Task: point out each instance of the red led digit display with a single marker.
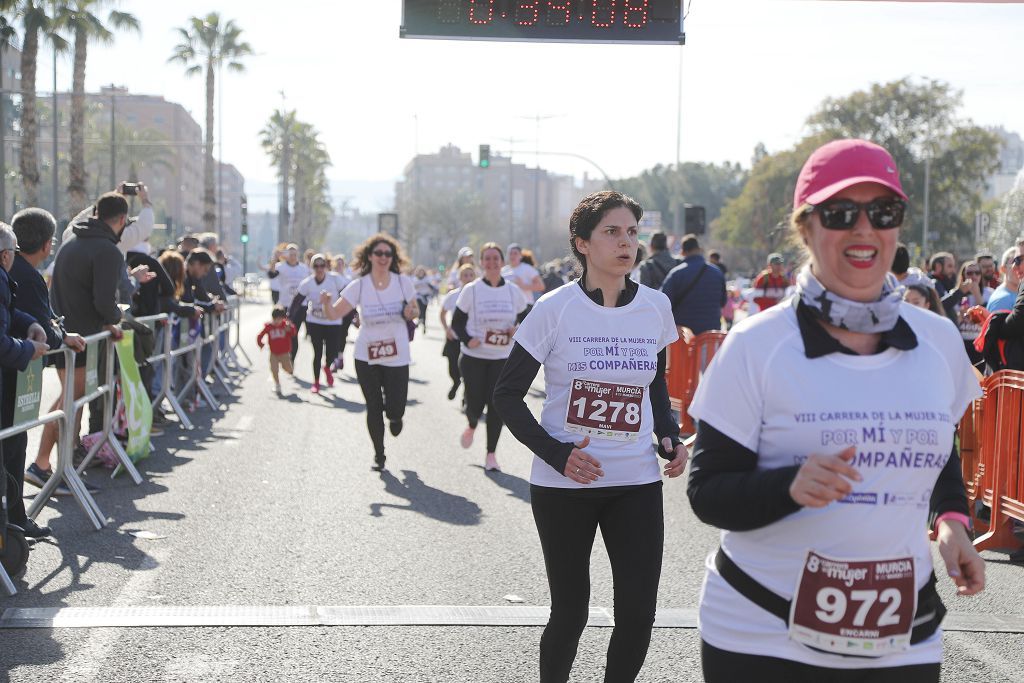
(626, 21)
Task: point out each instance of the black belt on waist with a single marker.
(930, 609)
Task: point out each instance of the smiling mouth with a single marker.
(861, 257)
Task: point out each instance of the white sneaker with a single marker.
(467, 437)
(491, 463)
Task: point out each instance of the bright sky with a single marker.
(752, 71)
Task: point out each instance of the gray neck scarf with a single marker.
(869, 318)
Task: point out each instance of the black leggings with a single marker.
(633, 527)
(451, 352)
(346, 323)
(722, 666)
(422, 303)
(321, 336)
(13, 473)
(384, 390)
(480, 376)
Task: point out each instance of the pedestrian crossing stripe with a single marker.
(171, 616)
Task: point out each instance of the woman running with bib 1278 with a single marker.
(602, 343)
(386, 300)
(824, 440)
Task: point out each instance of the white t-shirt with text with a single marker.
(522, 275)
(599, 363)
(289, 278)
(898, 408)
(492, 313)
(383, 332)
(310, 288)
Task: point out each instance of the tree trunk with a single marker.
(29, 164)
(283, 234)
(209, 193)
(77, 176)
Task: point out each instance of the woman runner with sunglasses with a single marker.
(484, 320)
(323, 331)
(602, 343)
(386, 301)
(824, 484)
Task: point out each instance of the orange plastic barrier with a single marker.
(685, 366)
(991, 442)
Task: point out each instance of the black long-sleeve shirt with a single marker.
(460, 319)
(521, 369)
(724, 472)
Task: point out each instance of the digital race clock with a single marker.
(578, 21)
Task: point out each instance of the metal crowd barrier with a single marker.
(222, 361)
(992, 450)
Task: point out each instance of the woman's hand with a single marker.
(963, 563)
(581, 467)
(411, 311)
(327, 303)
(824, 478)
(449, 334)
(675, 466)
(473, 343)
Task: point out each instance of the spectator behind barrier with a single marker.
(22, 339)
(212, 282)
(1004, 296)
(696, 290)
(657, 266)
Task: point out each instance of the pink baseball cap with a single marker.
(839, 164)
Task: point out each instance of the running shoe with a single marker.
(330, 375)
(467, 437)
(337, 364)
(395, 426)
(491, 463)
(378, 462)
(454, 390)
(316, 388)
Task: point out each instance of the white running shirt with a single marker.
(289, 278)
(583, 345)
(492, 311)
(899, 408)
(334, 284)
(381, 321)
(522, 274)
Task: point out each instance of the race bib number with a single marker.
(380, 350)
(497, 338)
(605, 410)
(863, 608)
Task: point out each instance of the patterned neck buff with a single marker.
(869, 318)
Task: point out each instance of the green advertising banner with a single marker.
(92, 359)
(137, 409)
(28, 393)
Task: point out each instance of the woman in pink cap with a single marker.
(825, 484)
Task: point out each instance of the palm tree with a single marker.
(80, 17)
(277, 139)
(207, 44)
(312, 189)
(7, 37)
(34, 21)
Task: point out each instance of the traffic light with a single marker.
(694, 220)
(485, 156)
(245, 220)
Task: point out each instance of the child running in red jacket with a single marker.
(279, 331)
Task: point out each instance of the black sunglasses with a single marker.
(842, 214)
(383, 254)
(1017, 260)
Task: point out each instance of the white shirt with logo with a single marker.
(450, 299)
(898, 408)
(381, 321)
(492, 313)
(604, 359)
(334, 284)
(522, 275)
(289, 278)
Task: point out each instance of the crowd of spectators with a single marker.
(103, 275)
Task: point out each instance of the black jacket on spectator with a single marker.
(157, 295)
(15, 350)
(34, 299)
(86, 274)
(196, 294)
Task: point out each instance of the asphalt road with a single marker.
(273, 503)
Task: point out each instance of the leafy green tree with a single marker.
(36, 22)
(665, 188)
(81, 18)
(8, 34)
(207, 44)
(313, 209)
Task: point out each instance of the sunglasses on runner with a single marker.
(383, 254)
(1017, 260)
(842, 214)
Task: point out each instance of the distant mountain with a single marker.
(369, 196)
